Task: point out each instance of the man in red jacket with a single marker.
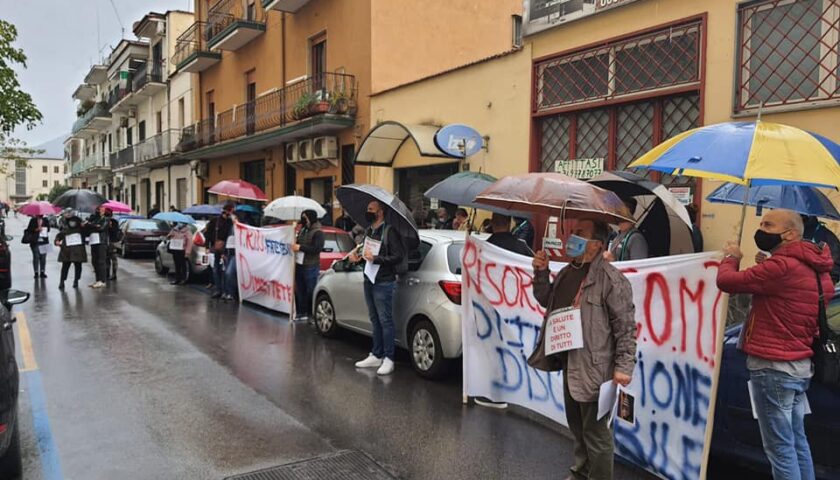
(779, 331)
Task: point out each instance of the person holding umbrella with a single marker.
(71, 242)
(219, 229)
(38, 233)
(180, 246)
(382, 251)
(629, 244)
(97, 232)
(310, 243)
(114, 235)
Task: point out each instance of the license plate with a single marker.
(205, 260)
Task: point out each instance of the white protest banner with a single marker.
(678, 326)
(265, 265)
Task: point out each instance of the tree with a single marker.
(56, 191)
(16, 106)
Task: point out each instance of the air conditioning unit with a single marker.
(292, 152)
(160, 29)
(304, 150)
(325, 147)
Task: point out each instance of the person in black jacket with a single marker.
(382, 251)
(114, 235)
(219, 230)
(97, 232)
(71, 241)
(502, 237)
(38, 231)
(310, 243)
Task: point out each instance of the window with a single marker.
(516, 40)
(250, 99)
(129, 136)
(55, 169)
(55, 184)
(251, 10)
(348, 164)
(45, 169)
(254, 172)
(141, 131)
(787, 53)
(158, 122)
(658, 60)
(318, 60)
(181, 113)
(45, 183)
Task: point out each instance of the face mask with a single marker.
(73, 224)
(575, 246)
(767, 241)
(370, 217)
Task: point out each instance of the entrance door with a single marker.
(412, 182)
(160, 196)
(250, 105)
(320, 190)
(146, 192)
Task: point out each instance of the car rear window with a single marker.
(147, 225)
(453, 257)
(336, 242)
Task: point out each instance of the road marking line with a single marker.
(29, 362)
(47, 449)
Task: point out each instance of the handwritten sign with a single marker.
(265, 266)
(73, 240)
(371, 269)
(581, 168)
(678, 322)
(564, 331)
(176, 244)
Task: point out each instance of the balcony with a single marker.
(319, 105)
(191, 52)
(77, 167)
(95, 119)
(157, 149)
(120, 99)
(148, 79)
(123, 158)
(97, 74)
(232, 24)
(84, 92)
(288, 6)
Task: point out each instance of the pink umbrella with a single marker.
(117, 207)
(238, 189)
(39, 208)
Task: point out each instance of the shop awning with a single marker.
(380, 146)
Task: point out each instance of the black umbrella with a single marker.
(80, 199)
(355, 198)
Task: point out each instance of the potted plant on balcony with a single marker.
(302, 106)
(321, 102)
(339, 102)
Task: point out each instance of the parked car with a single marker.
(198, 262)
(10, 459)
(337, 243)
(736, 435)
(141, 236)
(5, 258)
(427, 305)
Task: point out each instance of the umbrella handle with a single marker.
(744, 212)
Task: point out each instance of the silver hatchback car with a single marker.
(427, 304)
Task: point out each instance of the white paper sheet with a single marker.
(73, 240)
(231, 243)
(44, 233)
(563, 331)
(176, 244)
(299, 258)
(94, 239)
(44, 249)
(607, 396)
(371, 269)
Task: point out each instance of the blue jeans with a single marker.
(219, 273)
(380, 303)
(231, 282)
(305, 279)
(780, 405)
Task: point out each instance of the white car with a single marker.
(427, 303)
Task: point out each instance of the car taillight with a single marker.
(452, 290)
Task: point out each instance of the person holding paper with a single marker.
(180, 246)
(310, 243)
(71, 241)
(779, 333)
(595, 302)
(217, 232)
(382, 252)
(39, 230)
(97, 233)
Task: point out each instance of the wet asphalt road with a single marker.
(143, 380)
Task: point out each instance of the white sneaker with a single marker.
(387, 367)
(98, 285)
(370, 362)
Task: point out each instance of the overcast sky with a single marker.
(60, 39)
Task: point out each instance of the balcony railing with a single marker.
(328, 93)
(99, 109)
(77, 167)
(157, 146)
(191, 44)
(117, 94)
(150, 72)
(122, 158)
(226, 15)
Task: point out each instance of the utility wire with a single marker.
(117, 13)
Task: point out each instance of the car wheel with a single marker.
(159, 268)
(10, 463)
(325, 316)
(425, 349)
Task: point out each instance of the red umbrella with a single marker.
(39, 208)
(117, 207)
(238, 189)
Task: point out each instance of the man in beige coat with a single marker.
(605, 300)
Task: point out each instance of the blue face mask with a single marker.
(575, 246)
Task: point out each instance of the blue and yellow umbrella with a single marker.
(749, 153)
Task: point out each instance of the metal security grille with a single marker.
(555, 141)
(659, 60)
(634, 132)
(788, 52)
(678, 115)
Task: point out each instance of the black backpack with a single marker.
(400, 268)
(826, 348)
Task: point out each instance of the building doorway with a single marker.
(412, 182)
(320, 190)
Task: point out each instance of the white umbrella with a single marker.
(291, 207)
